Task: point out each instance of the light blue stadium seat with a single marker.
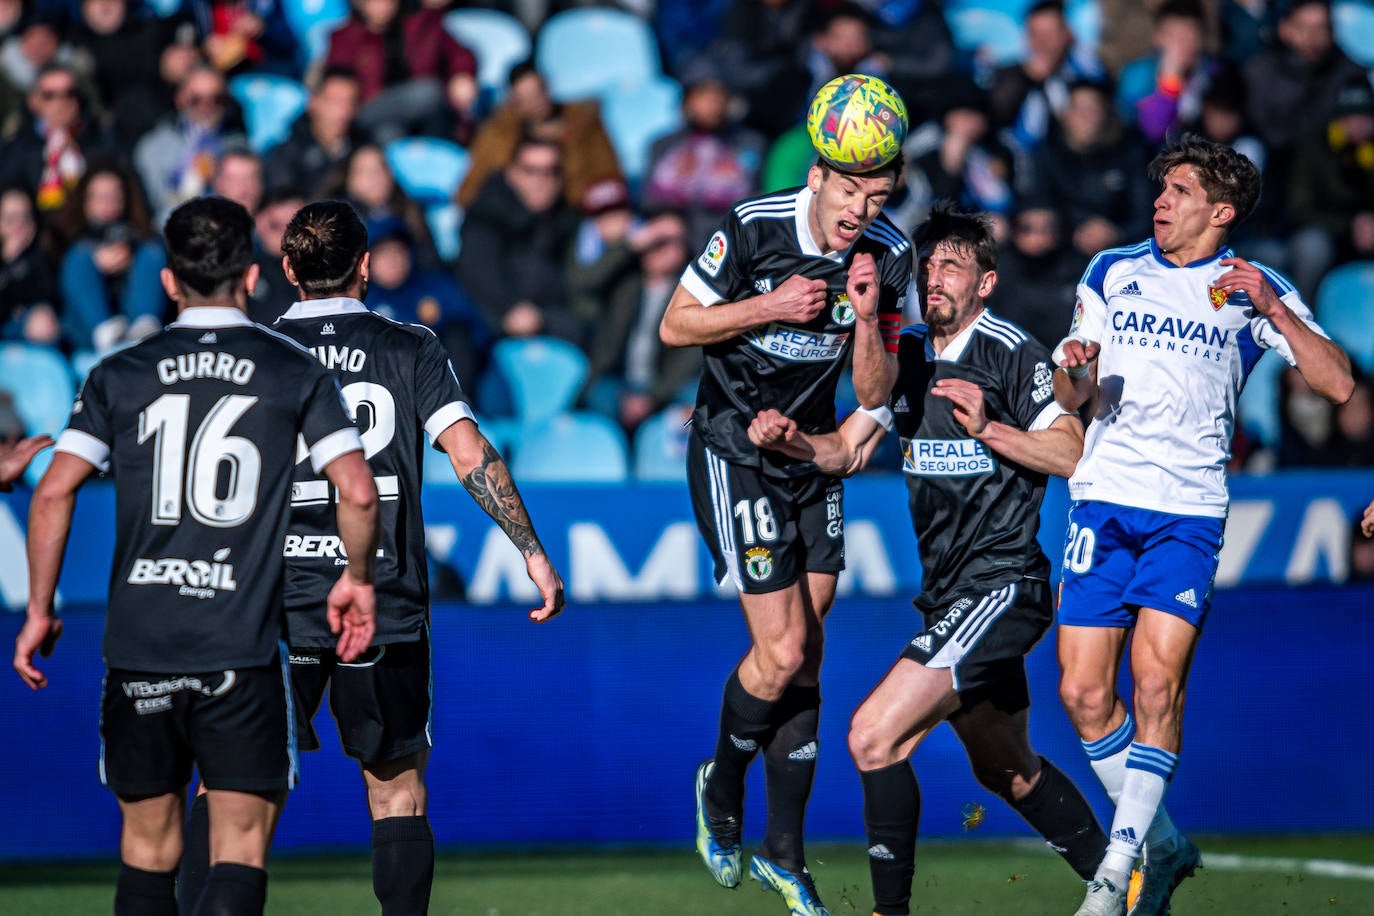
(1352, 21)
(1016, 9)
(1259, 400)
(638, 116)
(302, 15)
(445, 227)
(40, 380)
(544, 375)
(270, 105)
(1345, 310)
(164, 8)
(580, 447)
(594, 51)
(427, 168)
(314, 41)
(1085, 21)
(499, 40)
(993, 35)
(661, 445)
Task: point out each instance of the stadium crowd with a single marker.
(112, 112)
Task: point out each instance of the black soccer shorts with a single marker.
(382, 702)
(764, 532)
(983, 638)
(235, 726)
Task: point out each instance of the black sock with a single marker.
(743, 723)
(892, 813)
(789, 763)
(232, 889)
(402, 864)
(195, 856)
(145, 893)
(1060, 813)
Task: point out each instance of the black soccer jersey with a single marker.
(198, 425)
(794, 370)
(399, 383)
(976, 514)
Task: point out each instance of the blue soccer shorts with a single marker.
(1118, 559)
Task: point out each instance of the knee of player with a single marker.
(1006, 784)
(870, 748)
(403, 796)
(1086, 699)
(782, 661)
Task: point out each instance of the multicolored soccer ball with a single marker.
(857, 123)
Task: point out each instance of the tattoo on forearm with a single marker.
(494, 490)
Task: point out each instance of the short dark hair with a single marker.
(209, 245)
(1226, 175)
(1046, 6)
(893, 165)
(968, 230)
(334, 72)
(1181, 9)
(324, 243)
(521, 70)
(528, 141)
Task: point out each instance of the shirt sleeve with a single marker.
(721, 272)
(438, 396)
(1263, 332)
(90, 430)
(897, 289)
(327, 428)
(1090, 311)
(1030, 388)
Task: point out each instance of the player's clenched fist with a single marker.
(862, 287)
(770, 429)
(798, 299)
(1073, 355)
(1246, 277)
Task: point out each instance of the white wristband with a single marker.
(1058, 357)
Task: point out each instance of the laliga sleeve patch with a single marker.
(1077, 317)
(713, 257)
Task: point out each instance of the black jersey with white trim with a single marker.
(790, 368)
(198, 425)
(400, 385)
(975, 513)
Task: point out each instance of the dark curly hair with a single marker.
(1226, 175)
(209, 245)
(966, 230)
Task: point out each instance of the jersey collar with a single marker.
(956, 347)
(805, 241)
(1224, 252)
(210, 316)
(319, 308)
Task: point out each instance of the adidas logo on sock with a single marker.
(922, 642)
(1131, 289)
(745, 744)
(880, 852)
(1188, 597)
(1126, 835)
(806, 752)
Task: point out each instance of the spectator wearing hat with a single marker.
(710, 162)
(516, 238)
(322, 138)
(529, 111)
(1331, 194)
(402, 290)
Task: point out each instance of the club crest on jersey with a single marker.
(842, 312)
(758, 563)
(328, 328)
(714, 256)
(1217, 296)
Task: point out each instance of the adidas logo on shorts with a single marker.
(1188, 597)
(922, 642)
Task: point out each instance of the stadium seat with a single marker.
(427, 168)
(270, 105)
(992, 35)
(637, 117)
(1345, 310)
(1352, 21)
(595, 52)
(41, 381)
(1085, 21)
(499, 40)
(661, 445)
(445, 227)
(578, 447)
(544, 375)
(164, 8)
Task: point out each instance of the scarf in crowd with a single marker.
(63, 166)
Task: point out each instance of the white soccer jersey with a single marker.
(1175, 354)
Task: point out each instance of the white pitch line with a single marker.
(1326, 868)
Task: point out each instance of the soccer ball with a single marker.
(857, 123)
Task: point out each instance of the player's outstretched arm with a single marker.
(15, 458)
(1054, 450)
(486, 477)
(1323, 364)
(1075, 377)
(842, 453)
(351, 608)
(50, 521)
(688, 323)
(875, 369)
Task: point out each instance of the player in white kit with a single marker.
(1164, 335)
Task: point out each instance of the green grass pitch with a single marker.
(1018, 879)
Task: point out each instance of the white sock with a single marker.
(1108, 758)
(1147, 774)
